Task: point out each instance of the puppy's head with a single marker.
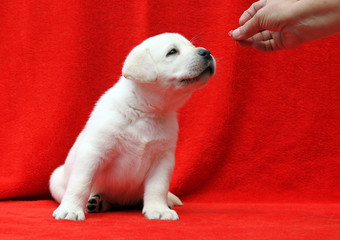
(170, 61)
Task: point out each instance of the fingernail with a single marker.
(230, 33)
(236, 33)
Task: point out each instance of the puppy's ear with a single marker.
(139, 66)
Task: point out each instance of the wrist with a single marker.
(315, 19)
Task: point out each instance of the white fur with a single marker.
(126, 150)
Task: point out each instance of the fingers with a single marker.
(249, 22)
(263, 46)
(251, 31)
(263, 35)
(250, 12)
(246, 31)
(262, 41)
(266, 46)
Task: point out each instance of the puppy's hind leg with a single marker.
(173, 200)
(97, 203)
(58, 183)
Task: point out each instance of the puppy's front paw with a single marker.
(163, 213)
(69, 213)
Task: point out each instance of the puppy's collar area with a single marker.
(151, 102)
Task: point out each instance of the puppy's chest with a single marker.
(137, 149)
(145, 140)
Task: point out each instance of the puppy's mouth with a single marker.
(204, 75)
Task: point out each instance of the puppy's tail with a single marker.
(173, 200)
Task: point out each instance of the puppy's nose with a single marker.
(204, 53)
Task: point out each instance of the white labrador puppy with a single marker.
(125, 153)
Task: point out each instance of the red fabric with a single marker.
(265, 129)
(197, 221)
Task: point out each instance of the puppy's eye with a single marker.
(172, 52)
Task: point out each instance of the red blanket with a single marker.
(265, 129)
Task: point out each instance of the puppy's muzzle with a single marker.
(205, 53)
(202, 68)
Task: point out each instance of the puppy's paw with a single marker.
(163, 213)
(94, 204)
(69, 213)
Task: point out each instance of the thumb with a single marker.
(246, 31)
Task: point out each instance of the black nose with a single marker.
(204, 53)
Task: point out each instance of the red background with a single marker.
(264, 130)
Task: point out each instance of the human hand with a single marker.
(270, 25)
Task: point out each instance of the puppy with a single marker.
(126, 152)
